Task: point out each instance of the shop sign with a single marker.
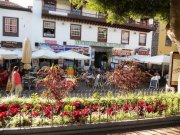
(98, 44)
(142, 51)
(119, 52)
(11, 44)
(50, 41)
(79, 49)
(54, 47)
(59, 48)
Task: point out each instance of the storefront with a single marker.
(101, 52)
(10, 45)
(52, 45)
(118, 54)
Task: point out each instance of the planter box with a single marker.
(93, 128)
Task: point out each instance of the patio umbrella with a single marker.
(26, 54)
(18, 53)
(159, 60)
(6, 54)
(72, 55)
(45, 54)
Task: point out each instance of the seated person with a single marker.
(156, 77)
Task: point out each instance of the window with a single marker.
(142, 39)
(124, 37)
(49, 29)
(168, 41)
(75, 10)
(102, 34)
(75, 32)
(10, 26)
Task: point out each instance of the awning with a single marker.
(44, 53)
(7, 54)
(72, 55)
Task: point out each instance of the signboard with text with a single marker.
(119, 52)
(54, 47)
(11, 44)
(60, 48)
(142, 51)
(98, 44)
(78, 49)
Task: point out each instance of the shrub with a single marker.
(57, 86)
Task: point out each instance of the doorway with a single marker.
(101, 58)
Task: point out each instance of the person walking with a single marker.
(16, 82)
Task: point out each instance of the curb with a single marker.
(122, 126)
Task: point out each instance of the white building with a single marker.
(56, 23)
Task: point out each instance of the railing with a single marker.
(65, 12)
(96, 111)
(115, 92)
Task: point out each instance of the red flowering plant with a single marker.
(127, 76)
(3, 112)
(14, 109)
(140, 107)
(160, 107)
(57, 86)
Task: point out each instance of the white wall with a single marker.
(25, 21)
(31, 25)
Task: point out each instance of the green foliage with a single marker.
(119, 10)
(96, 95)
(102, 109)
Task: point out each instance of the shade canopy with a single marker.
(26, 54)
(72, 55)
(159, 59)
(45, 54)
(137, 58)
(18, 53)
(6, 54)
(140, 58)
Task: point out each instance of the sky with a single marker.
(24, 3)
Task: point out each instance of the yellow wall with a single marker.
(162, 48)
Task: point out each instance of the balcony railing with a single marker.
(78, 14)
(71, 13)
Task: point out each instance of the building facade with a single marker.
(15, 23)
(165, 46)
(59, 25)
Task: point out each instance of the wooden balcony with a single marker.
(88, 18)
(74, 14)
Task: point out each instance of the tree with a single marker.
(118, 10)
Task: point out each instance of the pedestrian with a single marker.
(16, 82)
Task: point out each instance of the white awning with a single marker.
(7, 54)
(72, 55)
(44, 53)
(159, 59)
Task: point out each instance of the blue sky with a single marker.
(24, 3)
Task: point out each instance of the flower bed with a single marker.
(36, 111)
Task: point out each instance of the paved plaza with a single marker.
(155, 131)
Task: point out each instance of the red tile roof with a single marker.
(13, 6)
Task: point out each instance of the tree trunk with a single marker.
(174, 32)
